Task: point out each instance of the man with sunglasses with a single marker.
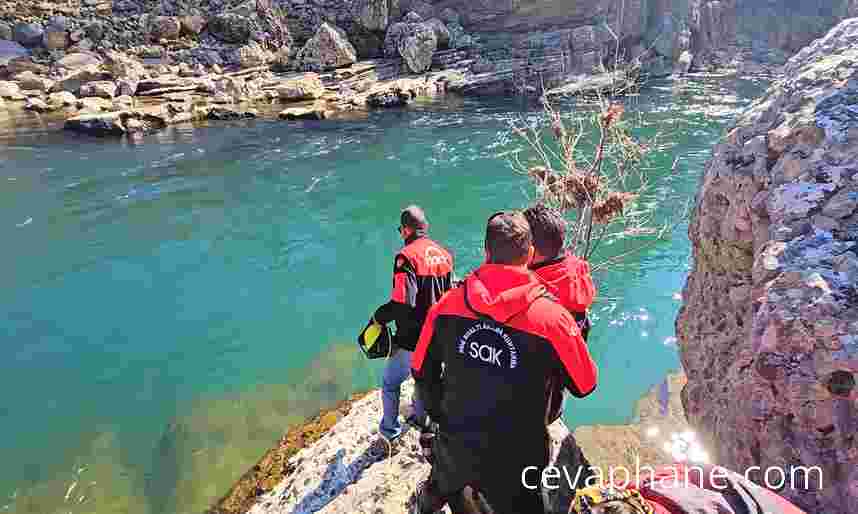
(483, 364)
(422, 272)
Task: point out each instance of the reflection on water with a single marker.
(169, 302)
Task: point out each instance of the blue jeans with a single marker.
(397, 371)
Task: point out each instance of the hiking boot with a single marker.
(383, 448)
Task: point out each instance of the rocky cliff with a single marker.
(769, 326)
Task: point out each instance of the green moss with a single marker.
(273, 467)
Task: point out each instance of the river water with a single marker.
(170, 305)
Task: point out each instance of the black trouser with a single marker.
(475, 500)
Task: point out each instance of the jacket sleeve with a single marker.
(403, 296)
(426, 366)
(575, 363)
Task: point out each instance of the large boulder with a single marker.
(329, 48)
(192, 25)
(32, 82)
(11, 50)
(77, 60)
(28, 34)
(5, 31)
(62, 99)
(767, 330)
(36, 105)
(10, 91)
(95, 31)
(442, 33)
(100, 89)
(231, 28)
(163, 27)
(307, 87)
(374, 14)
(417, 46)
(252, 55)
(391, 40)
(123, 66)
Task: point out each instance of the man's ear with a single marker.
(531, 252)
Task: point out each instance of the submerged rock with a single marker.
(116, 123)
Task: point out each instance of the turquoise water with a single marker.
(171, 304)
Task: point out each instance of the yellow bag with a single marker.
(375, 340)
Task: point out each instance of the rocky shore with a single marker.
(327, 465)
(135, 66)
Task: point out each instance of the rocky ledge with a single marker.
(328, 465)
(768, 330)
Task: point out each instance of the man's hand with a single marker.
(426, 438)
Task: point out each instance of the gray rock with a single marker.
(329, 48)
(95, 31)
(442, 34)
(36, 105)
(412, 17)
(10, 91)
(62, 99)
(55, 38)
(30, 81)
(101, 89)
(308, 87)
(683, 64)
(77, 60)
(28, 34)
(252, 55)
(164, 27)
(417, 46)
(842, 204)
(391, 40)
(423, 9)
(449, 15)
(230, 28)
(193, 25)
(221, 113)
(314, 112)
(374, 14)
(5, 32)
(11, 50)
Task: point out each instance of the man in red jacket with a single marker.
(482, 365)
(567, 277)
(422, 272)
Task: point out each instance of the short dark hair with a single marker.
(548, 228)
(413, 217)
(508, 238)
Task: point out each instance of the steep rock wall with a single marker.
(769, 326)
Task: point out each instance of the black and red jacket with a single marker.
(422, 273)
(568, 278)
(501, 338)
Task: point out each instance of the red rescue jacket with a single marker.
(500, 338)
